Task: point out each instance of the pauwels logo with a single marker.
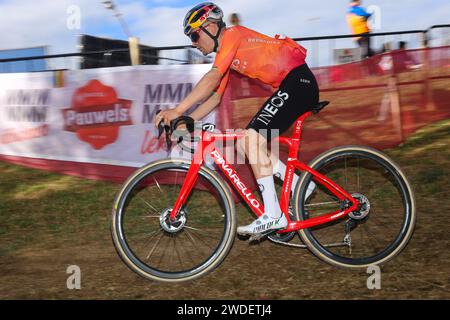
(97, 114)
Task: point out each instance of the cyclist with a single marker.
(277, 61)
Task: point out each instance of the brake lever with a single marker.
(161, 128)
(179, 136)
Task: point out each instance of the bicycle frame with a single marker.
(294, 142)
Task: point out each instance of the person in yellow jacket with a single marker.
(357, 18)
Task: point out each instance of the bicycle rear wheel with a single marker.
(156, 248)
(384, 221)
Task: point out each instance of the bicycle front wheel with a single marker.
(173, 251)
(384, 221)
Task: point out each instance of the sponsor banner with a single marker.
(347, 55)
(25, 102)
(100, 116)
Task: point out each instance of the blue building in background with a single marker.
(23, 66)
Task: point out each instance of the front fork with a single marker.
(188, 184)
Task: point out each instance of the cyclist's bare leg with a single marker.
(265, 162)
(255, 147)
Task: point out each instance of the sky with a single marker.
(28, 23)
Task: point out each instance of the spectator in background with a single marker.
(402, 45)
(403, 60)
(386, 47)
(357, 18)
(386, 62)
(235, 20)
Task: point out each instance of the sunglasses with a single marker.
(194, 36)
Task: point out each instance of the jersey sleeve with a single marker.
(223, 83)
(228, 48)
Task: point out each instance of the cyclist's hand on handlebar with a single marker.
(182, 126)
(166, 116)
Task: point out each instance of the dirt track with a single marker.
(248, 273)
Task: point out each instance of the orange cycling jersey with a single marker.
(257, 56)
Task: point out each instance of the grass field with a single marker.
(49, 222)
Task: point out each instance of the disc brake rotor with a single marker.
(363, 207)
(172, 226)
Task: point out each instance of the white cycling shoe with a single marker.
(263, 225)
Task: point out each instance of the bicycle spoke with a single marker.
(371, 236)
(163, 254)
(174, 189)
(321, 203)
(178, 253)
(148, 204)
(382, 227)
(357, 178)
(203, 233)
(346, 178)
(188, 253)
(195, 243)
(190, 237)
(172, 255)
(150, 237)
(369, 191)
(325, 192)
(157, 184)
(154, 246)
(191, 228)
(202, 241)
(381, 220)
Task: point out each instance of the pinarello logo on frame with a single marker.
(97, 114)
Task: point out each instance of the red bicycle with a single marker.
(175, 220)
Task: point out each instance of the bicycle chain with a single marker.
(288, 244)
